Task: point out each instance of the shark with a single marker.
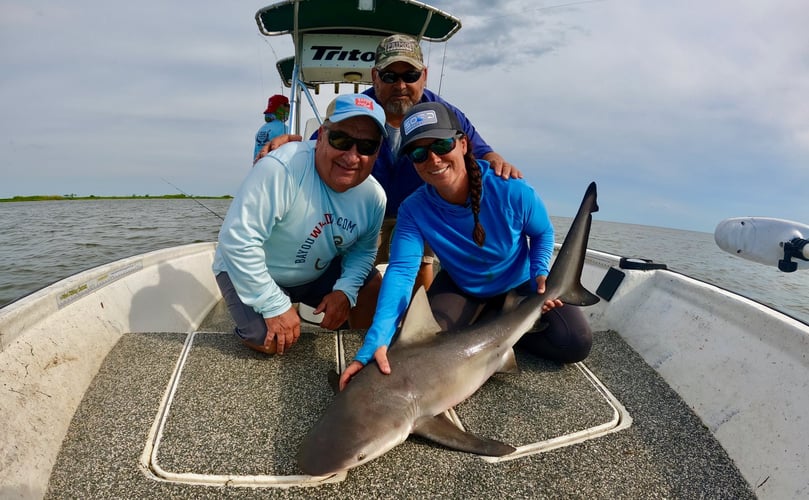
(433, 371)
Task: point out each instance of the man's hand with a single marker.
(335, 308)
(274, 144)
(501, 167)
(282, 139)
(283, 330)
(381, 357)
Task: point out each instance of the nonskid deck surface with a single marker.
(239, 414)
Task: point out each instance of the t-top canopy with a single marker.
(368, 17)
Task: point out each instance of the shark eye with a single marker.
(361, 456)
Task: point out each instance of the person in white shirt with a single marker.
(303, 228)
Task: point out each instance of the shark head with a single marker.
(344, 437)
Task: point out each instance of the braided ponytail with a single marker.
(475, 188)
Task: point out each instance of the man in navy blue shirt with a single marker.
(400, 78)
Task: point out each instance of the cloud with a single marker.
(500, 35)
(694, 102)
(684, 112)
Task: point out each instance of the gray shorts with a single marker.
(250, 325)
(385, 235)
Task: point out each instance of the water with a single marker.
(697, 255)
(43, 242)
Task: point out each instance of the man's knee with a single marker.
(250, 326)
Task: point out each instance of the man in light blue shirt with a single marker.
(303, 228)
(275, 117)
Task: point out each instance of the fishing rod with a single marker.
(196, 200)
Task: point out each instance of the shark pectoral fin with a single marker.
(443, 431)
(419, 323)
(509, 364)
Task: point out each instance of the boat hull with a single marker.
(54, 340)
(739, 365)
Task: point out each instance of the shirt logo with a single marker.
(419, 119)
(309, 244)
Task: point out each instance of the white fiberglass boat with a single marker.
(125, 380)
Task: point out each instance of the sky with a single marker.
(684, 113)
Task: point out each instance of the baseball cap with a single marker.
(397, 48)
(428, 120)
(351, 105)
(274, 102)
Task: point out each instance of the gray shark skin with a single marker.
(432, 372)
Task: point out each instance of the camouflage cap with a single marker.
(397, 48)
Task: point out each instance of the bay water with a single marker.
(44, 241)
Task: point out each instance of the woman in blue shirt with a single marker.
(491, 236)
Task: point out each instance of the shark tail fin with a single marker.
(566, 271)
(579, 296)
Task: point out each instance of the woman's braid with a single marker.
(475, 189)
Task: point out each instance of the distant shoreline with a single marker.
(94, 197)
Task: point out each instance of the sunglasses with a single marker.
(440, 147)
(411, 76)
(344, 142)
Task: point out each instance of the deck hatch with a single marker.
(214, 428)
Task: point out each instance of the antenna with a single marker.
(443, 60)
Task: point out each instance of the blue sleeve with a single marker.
(407, 248)
(261, 201)
(539, 229)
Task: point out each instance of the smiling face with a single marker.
(447, 172)
(342, 170)
(398, 97)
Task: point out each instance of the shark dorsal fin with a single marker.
(511, 301)
(419, 324)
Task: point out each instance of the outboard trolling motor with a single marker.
(797, 248)
(774, 242)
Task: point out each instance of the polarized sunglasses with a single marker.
(439, 146)
(411, 76)
(344, 142)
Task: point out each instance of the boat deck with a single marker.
(230, 421)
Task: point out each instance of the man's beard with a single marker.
(398, 107)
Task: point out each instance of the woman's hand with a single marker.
(381, 358)
(550, 303)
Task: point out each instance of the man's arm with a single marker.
(262, 199)
(275, 143)
(480, 148)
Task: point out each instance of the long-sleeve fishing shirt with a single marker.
(286, 225)
(518, 246)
